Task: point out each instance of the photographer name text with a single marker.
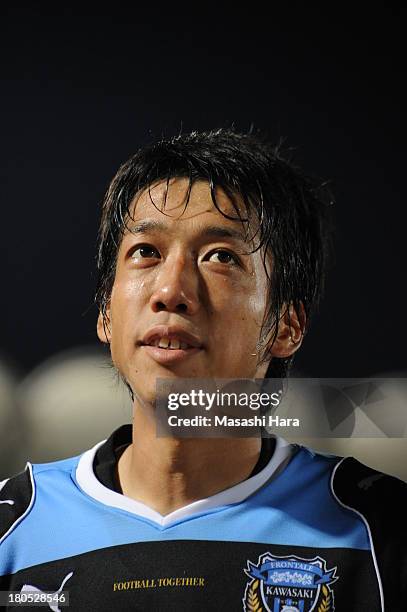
(227, 421)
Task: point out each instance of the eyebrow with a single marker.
(211, 231)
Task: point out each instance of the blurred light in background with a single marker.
(12, 428)
(71, 402)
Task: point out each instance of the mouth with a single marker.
(170, 344)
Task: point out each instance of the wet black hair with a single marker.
(286, 211)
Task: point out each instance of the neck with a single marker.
(169, 473)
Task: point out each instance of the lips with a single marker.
(177, 345)
(172, 332)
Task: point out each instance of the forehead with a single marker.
(178, 201)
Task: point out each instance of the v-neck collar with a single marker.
(89, 483)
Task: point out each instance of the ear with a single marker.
(291, 330)
(103, 327)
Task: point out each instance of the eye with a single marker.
(144, 251)
(224, 257)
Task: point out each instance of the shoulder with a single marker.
(381, 501)
(359, 486)
(370, 492)
(18, 493)
(16, 499)
(376, 498)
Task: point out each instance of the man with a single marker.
(212, 257)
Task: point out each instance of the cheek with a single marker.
(256, 306)
(250, 297)
(258, 296)
(242, 305)
(126, 299)
(126, 306)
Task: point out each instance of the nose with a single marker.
(177, 287)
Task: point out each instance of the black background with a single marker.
(81, 92)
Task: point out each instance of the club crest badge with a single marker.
(289, 584)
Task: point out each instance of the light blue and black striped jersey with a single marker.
(306, 532)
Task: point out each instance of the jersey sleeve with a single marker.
(381, 500)
(16, 499)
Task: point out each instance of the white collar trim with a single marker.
(87, 481)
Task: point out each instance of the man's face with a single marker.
(192, 275)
